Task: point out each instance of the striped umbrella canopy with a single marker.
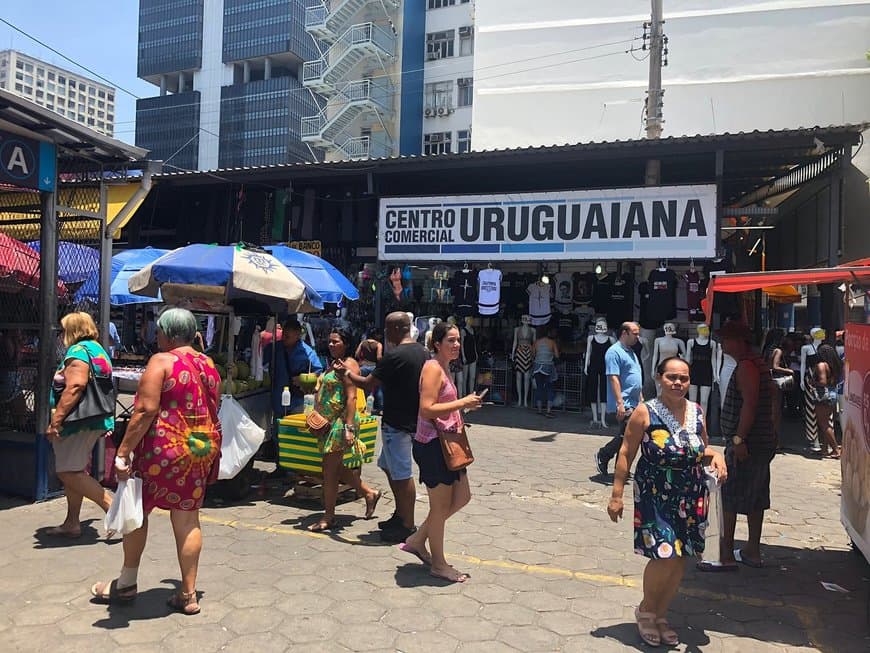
(330, 284)
(218, 277)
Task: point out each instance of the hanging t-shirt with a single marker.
(662, 301)
(585, 315)
(682, 299)
(584, 286)
(469, 346)
(621, 306)
(464, 287)
(643, 307)
(566, 323)
(488, 291)
(694, 296)
(601, 293)
(564, 292)
(539, 303)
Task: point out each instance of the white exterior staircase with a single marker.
(327, 20)
(359, 42)
(344, 107)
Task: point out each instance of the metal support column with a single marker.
(47, 335)
(105, 266)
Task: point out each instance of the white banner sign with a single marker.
(636, 223)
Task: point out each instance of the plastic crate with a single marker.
(298, 449)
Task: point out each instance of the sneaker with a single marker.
(393, 521)
(397, 534)
(600, 463)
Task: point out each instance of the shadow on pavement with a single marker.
(150, 604)
(417, 575)
(90, 535)
(691, 640)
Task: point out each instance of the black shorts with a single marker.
(747, 488)
(433, 469)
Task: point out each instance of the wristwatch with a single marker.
(736, 440)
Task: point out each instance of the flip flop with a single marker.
(321, 525)
(114, 595)
(646, 627)
(370, 509)
(407, 549)
(461, 578)
(716, 567)
(738, 556)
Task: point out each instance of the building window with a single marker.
(61, 79)
(28, 67)
(102, 94)
(439, 96)
(436, 143)
(19, 64)
(92, 91)
(437, 4)
(463, 141)
(51, 77)
(466, 41)
(439, 44)
(466, 91)
(40, 72)
(18, 88)
(72, 83)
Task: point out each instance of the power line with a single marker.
(72, 61)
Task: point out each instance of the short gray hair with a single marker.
(178, 324)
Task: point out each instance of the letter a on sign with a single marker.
(18, 160)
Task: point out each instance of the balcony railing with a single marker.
(356, 36)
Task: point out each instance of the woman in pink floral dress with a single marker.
(173, 444)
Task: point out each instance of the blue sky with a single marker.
(98, 34)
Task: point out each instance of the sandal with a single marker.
(668, 635)
(646, 627)
(184, 602)
(110, 593)
(58, 531)
(322, 525)
(370, 507)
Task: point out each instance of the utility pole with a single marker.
(654, 91)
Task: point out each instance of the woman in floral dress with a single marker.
(670, 496)
(173, 444)
(336, 401)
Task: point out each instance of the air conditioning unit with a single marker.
(431, 56)
(450, 110)
(466, 31)
(442, 111)
(428, 113)
(436, 138)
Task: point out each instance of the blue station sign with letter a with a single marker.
(27, 163)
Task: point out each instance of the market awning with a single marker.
(745, 281)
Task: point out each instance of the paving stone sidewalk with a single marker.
(549, 571)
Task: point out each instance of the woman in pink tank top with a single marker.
(448, 490)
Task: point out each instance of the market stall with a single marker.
(855, 457)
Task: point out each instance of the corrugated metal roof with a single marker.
(850, 131)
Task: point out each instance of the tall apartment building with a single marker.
(68, 94)
(448, 77)
(229, 77)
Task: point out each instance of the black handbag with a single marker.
(98, 399)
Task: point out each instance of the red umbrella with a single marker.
(19, 267)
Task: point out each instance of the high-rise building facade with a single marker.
(68, 94)
(253, 82)
(229, 78)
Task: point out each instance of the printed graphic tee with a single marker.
(464, 287)
(539, 303)
(694, 294)
(564, 292)
(488, 291)
(662, 300)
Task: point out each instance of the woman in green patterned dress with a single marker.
(336, 401)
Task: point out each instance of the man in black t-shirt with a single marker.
(398, 374)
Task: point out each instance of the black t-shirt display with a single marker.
(464, 287)
(399, 373)
(645, 321)
(584, 287)
(601, 293)
(621, 306)
(566, 324)
(662, 300)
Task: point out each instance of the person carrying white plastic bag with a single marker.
(125, 514)
(242, 437)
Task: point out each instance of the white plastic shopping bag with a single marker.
(125, 514)
(715, 517)
(241, 437)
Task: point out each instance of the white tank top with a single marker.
(488, 291)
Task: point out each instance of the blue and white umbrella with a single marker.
(330, 284)
(124, 265)
(217, 277)
(75, 263)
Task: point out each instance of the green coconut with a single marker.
(243, 370)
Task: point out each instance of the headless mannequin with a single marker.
(808, 360)
(648, 337)
(705, 378)
(524, 336)
(415, 332)
(597, 398)
(469, 368)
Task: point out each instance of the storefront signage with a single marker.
(639, 223)
(311, 246)
(27, 163)
(855, 494)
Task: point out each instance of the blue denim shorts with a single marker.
(396, 453)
